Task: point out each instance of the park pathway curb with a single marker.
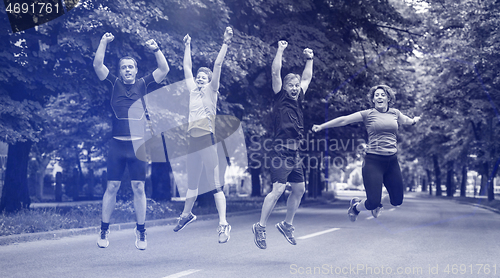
(58, 234)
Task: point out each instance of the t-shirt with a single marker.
(382, 130)
(288, 118)
(202, 109)
(123, 96)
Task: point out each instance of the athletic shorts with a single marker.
(121, 153)
(286, 166)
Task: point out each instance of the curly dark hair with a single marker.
(390, 93)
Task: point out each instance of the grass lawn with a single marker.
(72, 216)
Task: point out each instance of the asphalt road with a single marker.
(425, 237)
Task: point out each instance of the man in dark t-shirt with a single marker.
(288, 118)
(126, 90)
(288, 127)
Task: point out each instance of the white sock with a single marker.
(220, 202)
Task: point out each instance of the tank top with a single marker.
(202, 109)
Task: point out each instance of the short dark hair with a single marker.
(390, 93)
(206, 71)
(289, 77)
(127, 58)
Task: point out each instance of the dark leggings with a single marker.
(378, 170)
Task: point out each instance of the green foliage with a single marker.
(80, 216)
(49, 93)
(457, 93)
(21, 120)
(65, 47)
(89, 215)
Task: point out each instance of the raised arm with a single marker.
(100, 69)
(276, 67)
(215, 83)
(162, 70)
(188, 64)
(307, 74)
(340, 121)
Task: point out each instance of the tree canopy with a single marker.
(441, 62)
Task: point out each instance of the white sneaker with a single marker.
(376, 212)
(224, 231)
(353, 215)
(103, 241)
(140, 239)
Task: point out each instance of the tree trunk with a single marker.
(429, 179)
(15, 193)
(74, 185)
(160, 180)
(491, 184)
(450, 180)
(491, 189)
(437, 172)
(484, 179)
(312, 186)
(40, 174)
(90, 184)
(255, 172)
(463, 185)
(59, 189)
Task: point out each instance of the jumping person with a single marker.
(381, 163)
(288, 128)
(125, 90)
(202, 150)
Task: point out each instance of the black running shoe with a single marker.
(183, 221)
(287, 231)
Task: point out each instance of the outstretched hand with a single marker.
(228, 34)
(107, 38)
(308, 53)
(187, 39)
(282, 45)
(416, 119)
(316, 128)
(151, 45)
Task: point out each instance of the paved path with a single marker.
(426, 237)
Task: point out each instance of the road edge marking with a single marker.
(318, 233)
(183, 273)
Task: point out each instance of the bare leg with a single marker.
(270, 202)
(293, 201)
(139, 201)
(109, 200)
(191, 196)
